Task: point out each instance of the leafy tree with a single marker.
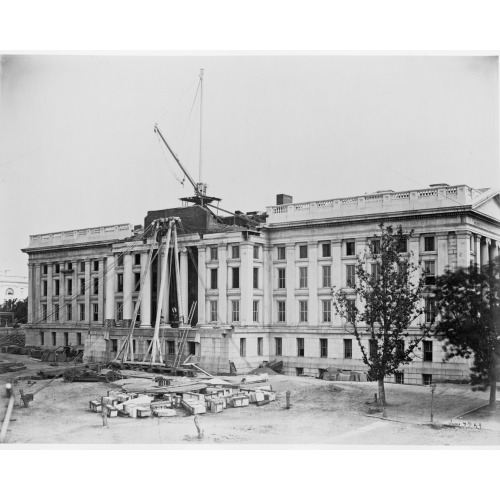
(390, 290)
(468, 301)
(18, 307)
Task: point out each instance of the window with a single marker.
(44, 312)
(95, 286)
(323, 348)
(171, 347)
(429, 244)
(137, 260)
(402, 245)
(69, 266)
(260, 346)
(256, 251)
(120, 282)
(236, 277)
(281, 311)
(426, 379)
(56, 312)
(281, 253)
(82, 267)
(278, 346)
(213, 311)
(114, 345)
(137, 282)
(299, 372)
(300, 347)
(430, 310)
(303, 251)
(78, 338)
(54, 338)
(302, 277)
(213, 279)
(375, 246)
(400, 347)
(45, 269)
(326, 249)
(399, 377)
(327, 311)
(192, 348)
(66, 338)
(255, 311)
(69, 312)
(120, 261)
(82, 312)
(56, 287)
(82, 286)
(376, 271)
(42, 338)
(372, 349)
(214, 253)
(350, 248)
(430, 272)
(95, 311)
(427, 350)
(348, 348)
(281, 277)
(303, 311)
(326, 272)
(96, 263)
(350, 270)
(243, 347)
(235, 251)
(235, 310)
(351, 310)
(119, 311)
(57, 268)
(256, 277)
(10, 291)
(44, 288)
(70, 287)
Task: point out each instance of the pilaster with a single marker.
(202, 283)
(146, 292)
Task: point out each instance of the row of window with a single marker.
(69, 312)
(66, 338)
(235, 252)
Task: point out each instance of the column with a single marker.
(485, 252)
(267, 284)
(183, 257)
(336, 274)
(100, 291)
(477, 250)
(37, 316)
(109, 316)
(50, 287)
(442, 256)
(222, 275)
(202, 283)
(360, 254)
(414, 249)
(493, 250)
(312, 275)
(146, 292)
(31, 283)
(246, 282)
(291, 313)
(128, 286)
(463, 249)
(88, 289)
(165, 309)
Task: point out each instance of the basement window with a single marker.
(78, 338)
(300, 347)
(114, 345)
(66, 338)
(426, 379)
(278, 344)
(243, 347)
(347, 348)
(399, 378)
(171, 347)
(54, 338)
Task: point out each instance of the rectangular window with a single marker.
(281, 311)
(78, 338)
(69, 312)
(281, 277)
(299, 372)
(96, 265)
(44, 312)
(303, 252)
(255, 311)
(70, 287)
(348, 348)
(42, 338)
(66, 338)
(278, 346)
(56, 312)
(95, 286)
(119, 311)
(430, 272)
(375, 271)
(120, 261)
(214, 254)
(427, 344)
(57, 268)
(213, 311)
(235, 310)
(426, 379)
(351, 310)
(69, 266)
(350, 274)
(114, 345)
(95, 312)
(281, 253)
(243, 347)
(137, 259)
(82, 267)
(45, 270)
(372, 349)
(44, 288)
(300, 347)
(375, 246)
(399, 377)
(137, 282)
(323, 348)
(260, 346)
(192, 348)
(327, 311)
(326, 248)
(403, 245)
(82, 312)
(326, 272)
(429, 244)
(303, 311)
(400, 347)
(213, 279)
(82, 286)
(235, 251)
(302, 277)
(350, 248)
(56, 287)
(256, 251)
(430, 310)
(54, 338)
(120, 282)
(256, 277)
(171, 347)
(236, 277)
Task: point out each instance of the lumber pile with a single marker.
(14, 366)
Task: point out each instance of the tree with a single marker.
(468, 301)
(389, 299)
(18, 307)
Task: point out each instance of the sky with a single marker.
(77, 147)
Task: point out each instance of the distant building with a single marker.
(12, 287)
(262, 282)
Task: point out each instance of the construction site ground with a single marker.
(321, 413)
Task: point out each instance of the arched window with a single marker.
(9, 291)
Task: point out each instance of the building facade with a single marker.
(13, 287)
(259, 285)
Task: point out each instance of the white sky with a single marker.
(77, 147)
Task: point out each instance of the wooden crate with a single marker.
(95, 405)
(110, 411)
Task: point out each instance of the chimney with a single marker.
(283, 199)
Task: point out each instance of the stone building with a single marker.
(261, 283)
(13, 287)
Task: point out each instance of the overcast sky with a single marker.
(77, 147)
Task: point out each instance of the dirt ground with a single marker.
(321, 413)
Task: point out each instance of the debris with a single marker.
(264, 369)
(253, 379)
(164, 412)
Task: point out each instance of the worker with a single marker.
(8, 388)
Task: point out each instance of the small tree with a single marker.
(468, 301)
(390, 296)
(18, 307)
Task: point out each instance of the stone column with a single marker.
(477, 250)
(109, 316)
(31, 284)
(50, 287)
(202, 283)
(183, 257)
(463, 249)
(128, 287)
(169, 277)
(493, 250)
(37, 310)
(146, 292)
(336, 274)
(267, 284)
(100, 291)
(222, 283)
(88, 289)
(313, 272)
(442, 256)
(485, 252)
(291, 313)
(246, 282)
